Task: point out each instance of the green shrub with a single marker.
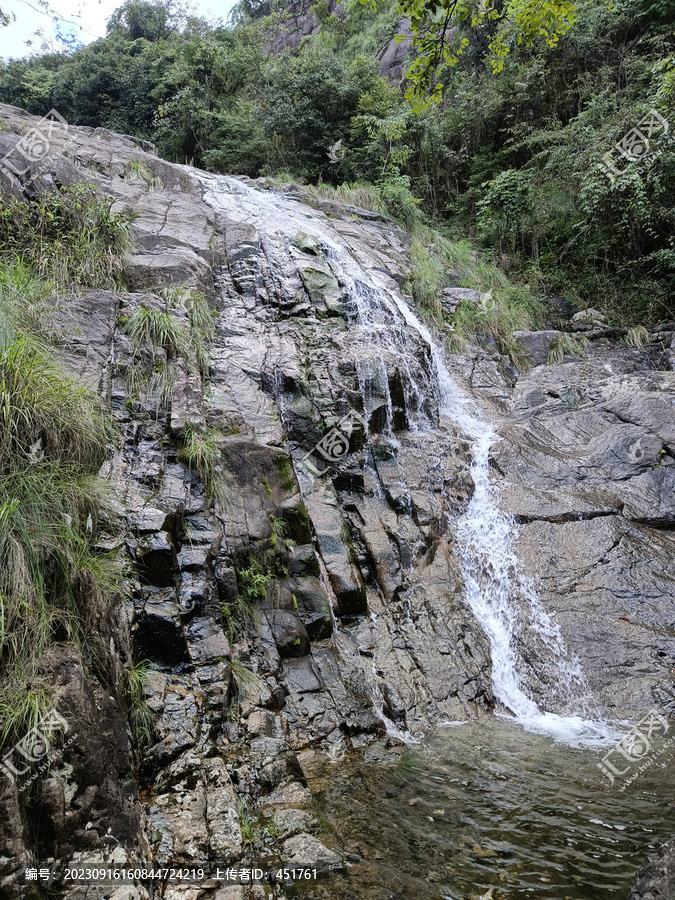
(69, 236)
(54, 436)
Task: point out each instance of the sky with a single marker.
(38, 24)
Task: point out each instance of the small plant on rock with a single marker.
(567, 345)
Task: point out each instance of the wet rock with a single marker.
(305, 851)
(343, 574)
(155, 560)
(535, 344)
(186, 400)
(312, 607)
(209, 650)
(292, 794)
(260, 723)
(157, 633)
(656, 879)
(289, 633)
(322, 287)
(275, 761)
(302, 676)
(302, 560)
(226, 580)
(160, 268)
(293, 821)
(308, 243)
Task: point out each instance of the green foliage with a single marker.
(141, 719)
(246, 681)
(53, 439)
(254, 579)
(180, 337)
(511, 162)
(68, 236)
(42, 411)
(19, 714)
(567, 345)
(138, 171)
(146, 20)
(504, 210)
(438, 41)
(200, 452)
(280, 532)
(310, 100)
(159, 329)
(254, 573)
(247, 827)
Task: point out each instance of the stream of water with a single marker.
(495, 589)
(513, 804)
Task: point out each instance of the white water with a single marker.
(496, 591)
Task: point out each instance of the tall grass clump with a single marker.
(201, 317)
(159, 329)
(69, 236)
(185, 337)
(54, 436)
(141, 719)
(567, 345)
(139, 171)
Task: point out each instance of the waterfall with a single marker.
(493, 579)
(501, 598)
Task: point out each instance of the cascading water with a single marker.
(500, 597)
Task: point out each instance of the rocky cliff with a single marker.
(360, 635)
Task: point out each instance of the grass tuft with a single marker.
(638, 337)
(567, 345)
(139, 171)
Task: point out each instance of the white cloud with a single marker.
(36, 31)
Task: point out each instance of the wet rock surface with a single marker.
(656, 879)
(360, 630)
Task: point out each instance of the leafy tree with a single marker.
(434, 28)
(309, 103)
(151, 20)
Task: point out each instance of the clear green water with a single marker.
(487, 805)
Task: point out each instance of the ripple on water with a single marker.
(488, 805)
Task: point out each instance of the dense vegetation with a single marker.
(54, 435)
(510, 161)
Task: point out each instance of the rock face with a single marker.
(339, 485)
(656, 880)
